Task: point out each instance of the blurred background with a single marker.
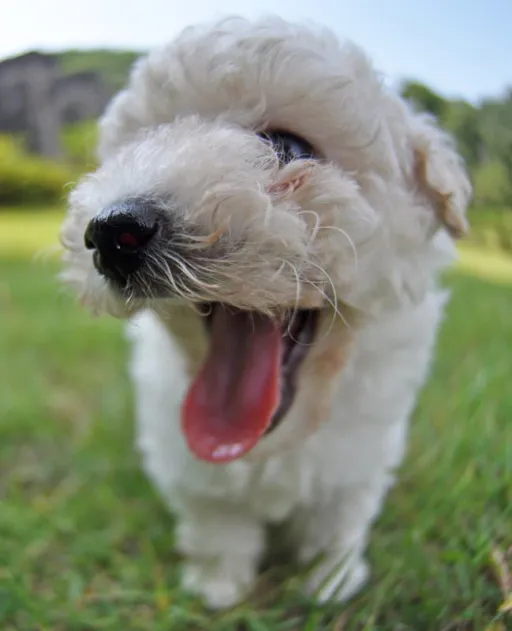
(84, 541)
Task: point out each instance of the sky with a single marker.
(461, 48)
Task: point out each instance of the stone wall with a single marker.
(36, 99)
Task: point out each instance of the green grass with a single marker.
(85, 543)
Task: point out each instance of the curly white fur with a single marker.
(361, 233)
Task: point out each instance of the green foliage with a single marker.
(424, 98)
(492, 185)
(491, 227)
(462, 120)
(27, 179)
(79, 141)
(113, 65)
(496, 124)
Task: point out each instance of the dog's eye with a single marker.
(288, 146)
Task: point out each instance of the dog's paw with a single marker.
(219, 588)
(328, 583)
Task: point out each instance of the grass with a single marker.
(85, 543)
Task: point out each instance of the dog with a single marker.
(272, 221)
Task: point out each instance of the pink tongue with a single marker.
(231, 403)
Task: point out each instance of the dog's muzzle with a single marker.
(124, 234)
(120, 236)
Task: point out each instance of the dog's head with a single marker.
(262, 175)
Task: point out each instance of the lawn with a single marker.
(85, 543)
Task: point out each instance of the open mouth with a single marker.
(248, 380)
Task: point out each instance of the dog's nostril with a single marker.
(88, 237)
(128, 240)
(124, 234)
(131, 237)
(126, 228)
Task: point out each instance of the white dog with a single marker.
(272, 220)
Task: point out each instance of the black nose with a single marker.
(120, 236)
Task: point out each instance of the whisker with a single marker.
(317, 223)
(297, 299)
(332, 301)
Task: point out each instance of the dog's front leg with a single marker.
(222, 546)
(333, 535)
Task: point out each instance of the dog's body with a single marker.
(354, 234)
(328, 484)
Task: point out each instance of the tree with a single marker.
(463, 121)
(496, 125)
(424, 98)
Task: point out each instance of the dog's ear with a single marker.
(440, 175)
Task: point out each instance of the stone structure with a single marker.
(37, 99)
